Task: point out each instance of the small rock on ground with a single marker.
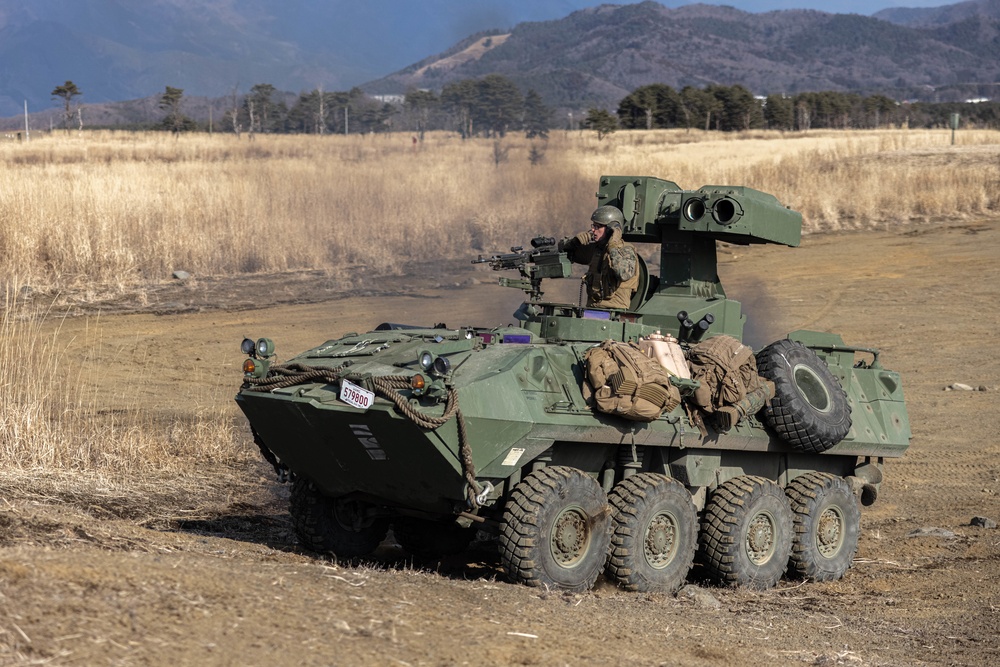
(931, 532)
(700, 597)
(983, 522)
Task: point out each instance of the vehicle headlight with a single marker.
(248, 346)
(265, 347)
(426, 360)
(442, 366)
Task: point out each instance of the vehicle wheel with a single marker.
(556, 530)
(333, 525)
(746, 533)
(827, 524)
(809, 410)
(654, 534)
(430, 540)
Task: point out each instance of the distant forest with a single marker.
(493, 106)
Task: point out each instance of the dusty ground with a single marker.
(131, 575)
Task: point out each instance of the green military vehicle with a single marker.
(440, 433)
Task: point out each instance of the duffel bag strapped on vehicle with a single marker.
(629, 384)
(726, 369)
(729, 416)
(730, 386)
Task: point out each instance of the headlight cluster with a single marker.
(438, 366)
(435, 366)
(259, 353)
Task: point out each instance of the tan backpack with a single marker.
(629, 384)
(726, 369)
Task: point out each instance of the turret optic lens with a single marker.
(725, 211)
(694, 209)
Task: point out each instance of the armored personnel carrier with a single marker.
(440, 433)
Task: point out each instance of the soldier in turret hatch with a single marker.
(613, 274)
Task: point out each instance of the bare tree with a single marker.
(250, 114)
(234, 111)
(321, 112)
(499, 152)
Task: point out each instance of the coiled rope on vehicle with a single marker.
(289, 375)
(386, 386)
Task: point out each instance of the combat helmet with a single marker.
(608, 216)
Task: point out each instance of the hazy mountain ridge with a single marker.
(121, 49)
(117, 50)
(596, 56)
(937, 16)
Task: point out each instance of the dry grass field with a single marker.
(89, 216)
(138, 525)
(111, 210)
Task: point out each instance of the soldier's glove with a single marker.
(566, 244)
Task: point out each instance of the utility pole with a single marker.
(27, 132)
(345, 121)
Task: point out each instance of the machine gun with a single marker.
(543, 260)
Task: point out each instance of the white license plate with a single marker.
(352, 394)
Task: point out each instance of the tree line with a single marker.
(493, 105)
(734, 108)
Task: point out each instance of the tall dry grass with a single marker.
(57, 414)
(119, 209)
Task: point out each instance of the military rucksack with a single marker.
(627, 383)
(726, 369)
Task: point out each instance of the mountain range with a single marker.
(597, 56)
(126, 49)
(120, 50)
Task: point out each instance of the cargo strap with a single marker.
(386, 386)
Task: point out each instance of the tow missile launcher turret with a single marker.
(445, 433)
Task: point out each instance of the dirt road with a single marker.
(139, 575)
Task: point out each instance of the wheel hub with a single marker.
(570, 537)
(660, 544)
(829, 532)
(350, 515)
(812, 388)
(761, 538)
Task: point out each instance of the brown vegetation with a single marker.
(105, 212)
(185, 561)
(119, 209)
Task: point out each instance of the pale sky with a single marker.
(866, 7)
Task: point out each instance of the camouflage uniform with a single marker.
(613, 275)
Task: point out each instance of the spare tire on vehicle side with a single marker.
(809, 410)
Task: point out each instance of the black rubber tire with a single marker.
(322, 525)
(746, 533)
(827, 524)
(655, 533)
(431, 540)
(809, 410)
(556, 530)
